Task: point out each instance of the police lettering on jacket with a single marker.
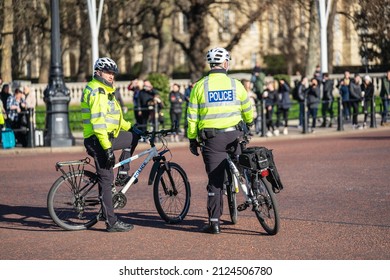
(220, 95)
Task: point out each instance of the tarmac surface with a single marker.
(335, 205)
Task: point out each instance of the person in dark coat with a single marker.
(146, 104)
(313, 102)
(385, 96)
(176, 99)
(355, 92)
(283, 105)
(5, 93)
(368, 95)
(344, 86)
(327, 100)
(271, 99)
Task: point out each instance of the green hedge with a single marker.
(75, 121)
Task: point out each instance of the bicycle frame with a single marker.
(236, 178)
(151, 153)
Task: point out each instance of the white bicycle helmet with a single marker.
(106, 64)
(217, 56)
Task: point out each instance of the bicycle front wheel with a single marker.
(172, 193)
(73, 200)
(267, 210)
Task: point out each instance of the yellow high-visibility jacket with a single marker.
(217, 101)
(101, 113)
(1, 114)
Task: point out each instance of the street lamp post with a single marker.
(56, 94)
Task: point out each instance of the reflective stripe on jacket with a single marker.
(101, 113)
(217, 101)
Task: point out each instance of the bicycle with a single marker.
(73, 200)
(254, 172)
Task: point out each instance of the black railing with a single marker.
(34, 130)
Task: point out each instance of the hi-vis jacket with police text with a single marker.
(217, 101)
(101, 113)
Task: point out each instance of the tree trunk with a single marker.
(332, 15)
(164, 62)
(199, 42)
(44, 69)
(164, 33)
(147, 49)
(313, 55)
(45, 45)
(6, 50)
(84, 63)
(147, 58)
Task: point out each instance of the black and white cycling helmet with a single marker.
(106, 64)
(217, 56)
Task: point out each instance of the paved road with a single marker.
(335, 205)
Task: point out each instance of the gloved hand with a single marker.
(249, 125)
(194, 147)
(110, 162)
(136, 130)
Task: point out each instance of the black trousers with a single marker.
(214, 158)
(284, 113)
(175, 117)
(327, 107)
(127, 142)
(354, 105)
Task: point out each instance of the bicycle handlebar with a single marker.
(163, 132)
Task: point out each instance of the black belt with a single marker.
(223, 130)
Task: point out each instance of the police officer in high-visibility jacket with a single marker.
(218, 106)
(105, 130)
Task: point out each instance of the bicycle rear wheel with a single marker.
(73, 200)
(172, 193)
(232, 200)
(267, 210)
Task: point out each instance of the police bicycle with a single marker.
(254, 172)
(73, 200)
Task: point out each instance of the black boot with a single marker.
(119, 226)
(212, 228)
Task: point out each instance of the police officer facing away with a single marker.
(105, 130)
(217, 106)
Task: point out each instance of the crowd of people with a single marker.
(312, 94)
(149, 107)
(14, 110)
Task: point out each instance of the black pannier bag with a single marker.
(273, 177)
(254, 158)
(258, 158)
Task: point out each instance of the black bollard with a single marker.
(262, 114)
(373, 118)
(340, 122)
(305, 125)
(31, 129)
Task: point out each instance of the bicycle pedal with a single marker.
(242, 206)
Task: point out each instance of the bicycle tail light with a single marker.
(264, 172)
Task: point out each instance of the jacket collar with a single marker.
(106, 86)
(215, 71)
